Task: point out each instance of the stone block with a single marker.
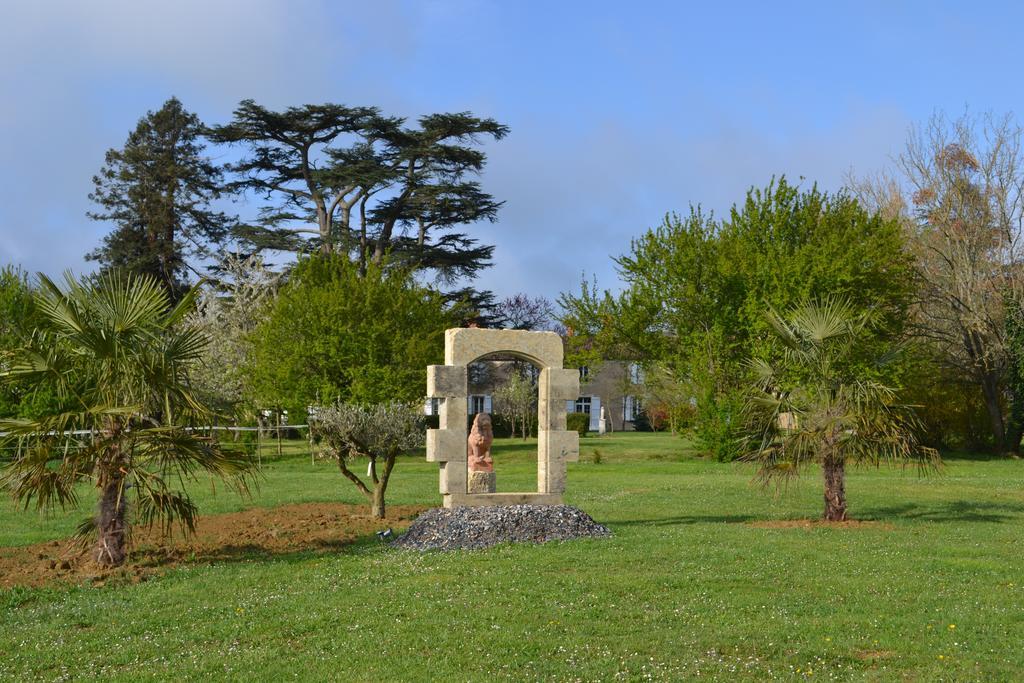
(559, 383)
(563, 445)
(481, 499)
(464, 345)
(482, 482)
(453, 478)
(446, 445)
(446, 381)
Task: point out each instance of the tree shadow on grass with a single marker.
(684, 520)
(951, 511)
(976, 456)
(247, 552)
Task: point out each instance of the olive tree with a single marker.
(380, 432)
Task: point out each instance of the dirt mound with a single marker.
(820, 523)
(318, 527)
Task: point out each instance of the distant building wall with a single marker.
(615, 386)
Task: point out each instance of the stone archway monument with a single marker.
(555, 445)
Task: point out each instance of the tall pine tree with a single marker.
(157, 190)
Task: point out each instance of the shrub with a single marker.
(579, 422)
(719, 428)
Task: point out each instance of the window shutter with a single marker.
(570, 406)
(427, 407)
(487, 404)
(595, 412)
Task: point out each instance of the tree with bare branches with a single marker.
(957, 188)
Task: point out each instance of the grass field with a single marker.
(693, 583)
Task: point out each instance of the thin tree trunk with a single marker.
(362, 236)
(111, 527)
(377, 503)
(379, 489)
(834, 471)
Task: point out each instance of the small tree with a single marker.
(228, 315)
(117, 356)
(815, 402)
(379, 432)
(517, 399)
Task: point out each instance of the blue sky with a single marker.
(620, 112)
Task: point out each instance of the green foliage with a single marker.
(335, 333)
(516, 399)
(365, 184)
(720, 429)
(18, 318)
(379, 432)
(696, 289)
(950, 408)
(579, 422)
(812, 402)
(116, 356)
(157, 191)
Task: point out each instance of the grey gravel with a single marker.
(470, 528)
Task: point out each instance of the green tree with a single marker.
(333, 333)
(813, 402)
(18, 319)
(380, 432)
(116, 355)
(516, 399)
(695, 289)
(157, 190)
(350, 180)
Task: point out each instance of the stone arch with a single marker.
(555, 445)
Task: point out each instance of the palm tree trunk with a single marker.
(834, 471)
(112, 531)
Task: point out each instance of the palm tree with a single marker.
(117, 355)
(818, 401)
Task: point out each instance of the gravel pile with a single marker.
(468, 528)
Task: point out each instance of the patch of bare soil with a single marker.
(820, 523)
(318, 527)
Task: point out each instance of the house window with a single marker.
(479, 403)
(636, 373)
(630, 408)
(584, 373)
(583, 405)
(432, 406)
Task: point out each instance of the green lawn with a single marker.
(686, 587)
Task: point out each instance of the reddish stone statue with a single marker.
(479, 447)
